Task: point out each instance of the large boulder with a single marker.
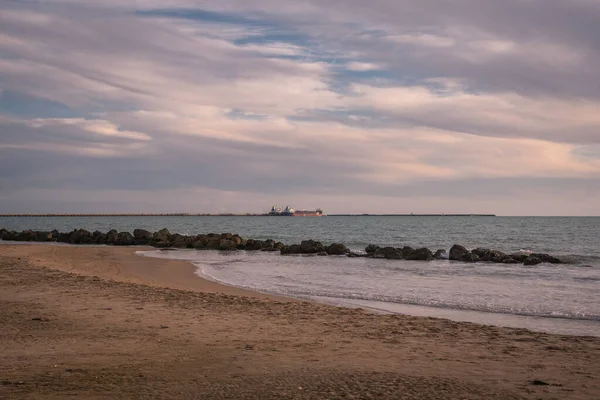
(520, 257)
(291, 249)
(371, 249)
(311, 247)
(490, 255)
(227, 245)
(3, 234)
(337, 249)
(81, 236)
(142, 237)
(112, 236)
(99, 237)
(162, 239)
(124, 239)
(42, 236)
(532, 260)
(162, 236)
(253, 245)
(422, 254)
(460, 253)
(547, 258)
(27, 236)
(389, 253)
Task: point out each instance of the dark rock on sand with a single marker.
(227, 245)
(311, 247)
(124, 239)
(490, 255)
(162, 236)
(460, 253)
(112, 236)
(510, 260)
(337, 249)
(142, 237)
(532, 260)
(547, 258)
(422, 254)
(389, 253)
(305, 247)
(371, 249)
(81, 236)
(4, 233)
(291, 249)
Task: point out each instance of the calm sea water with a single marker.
(554, 298)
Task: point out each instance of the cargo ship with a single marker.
(290, 212)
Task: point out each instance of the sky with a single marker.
(380, 106)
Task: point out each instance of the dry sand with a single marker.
(103, 323)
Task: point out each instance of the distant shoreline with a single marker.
(238, 215)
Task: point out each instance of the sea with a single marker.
(562, 299)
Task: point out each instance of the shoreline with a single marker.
(107, 327)
(124, 265)
(182, 274)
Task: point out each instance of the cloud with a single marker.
(245, 102)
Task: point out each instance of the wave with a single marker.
(315, 294)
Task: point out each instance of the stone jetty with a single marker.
(163, 239)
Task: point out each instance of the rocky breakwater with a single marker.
(161, 239)
(229, 242)
(459, 253)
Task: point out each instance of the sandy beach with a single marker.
(104, 323)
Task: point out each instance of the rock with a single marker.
(253, 245)
(371, 249)
(179, 241)
(99, 237)
(81, 236)
(124, 239)
(311, 247)
(292, 249)
(460, 253)
(43, 236)
(337, 249)
(490, 255)
(510, 260)
(142, 237)
(322, 254)
(112, 236)
(440, 254)
(27, 236)
(480, 252)
(162, 236)
(406, 251)
(520, 257)
(226, 245)
(547, 258)
(3, 234)
(389, 253)
(532, 260)
(422, 254)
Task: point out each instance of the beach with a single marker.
(102, 322)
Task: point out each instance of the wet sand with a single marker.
(103, 323)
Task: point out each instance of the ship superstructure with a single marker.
(291, 212)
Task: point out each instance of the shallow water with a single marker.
(558, 299)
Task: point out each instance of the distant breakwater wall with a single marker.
(163, 239)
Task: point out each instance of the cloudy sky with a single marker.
(380, 106)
